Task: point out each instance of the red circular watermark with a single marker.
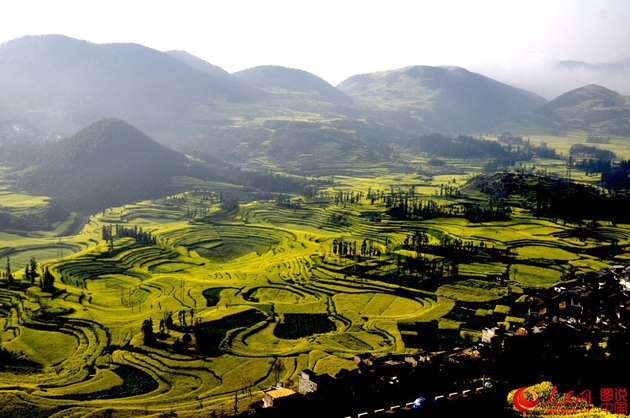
(522, 403)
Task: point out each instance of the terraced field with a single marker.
(231, 297)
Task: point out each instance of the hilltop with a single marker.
(108, 163)
(198, 63)
(591, 108)
(60, 84)
(441, 99)
(288, 80)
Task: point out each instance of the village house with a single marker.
(309, 382)
(277, 397)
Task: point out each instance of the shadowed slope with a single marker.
(106, 164)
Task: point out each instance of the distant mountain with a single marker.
(288, 80)
(591, 108)
(198, 63)
(441, 99)
(108, 163)
(55, 83)
(609, 67)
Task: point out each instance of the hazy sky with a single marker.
(513, 41)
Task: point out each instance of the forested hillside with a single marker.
(108, 163)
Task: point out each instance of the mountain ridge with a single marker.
(445, 99)
(291, 80)
(58, 84)
(66, 84)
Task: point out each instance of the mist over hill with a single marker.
(56, 83)
(551, 78)
(53, 85)
(289, 80)
(443, 99)
(198, 63)
(590, 108)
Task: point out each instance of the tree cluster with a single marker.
(368, 249)
(558, 199)
(284, 201)
(617, 179)
(581, 150)
(593, 165)
(478, 213)
(414, 208)
(344, 248)
(229, 202)
(348, 197)
(268, 181)
(508, 147)
(7, 274)
(109, 232)
(593, 139)
(47, 282)
(30, 272)
(338, 219)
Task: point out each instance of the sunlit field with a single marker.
(258, 289)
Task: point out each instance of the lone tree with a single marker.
(147, 331)
(30, 273)
(48, 281)
(278, 368)
(9, 275)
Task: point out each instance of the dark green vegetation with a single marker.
(135, 382)
(107, 164)
(112, 163)
(209, 335)
(296, 326)
(506, 150)
(555, 198)
(213, 295)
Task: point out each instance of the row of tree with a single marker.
(468, 147)
(46, 278)
(109, 232)
(349, 248)
(581, 150)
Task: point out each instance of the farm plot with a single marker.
(378, 305)
(279, 295)
(295, 326)
(224, 251)
(44, 347)
(532, 276)
(550, 253)
(473, 290)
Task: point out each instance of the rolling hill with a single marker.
(55, 83)
(591, 108)
(108, 163)
(302, 123)
(282, 80)
(440, 99)
(269, 114)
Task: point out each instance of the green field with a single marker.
(230, 295)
